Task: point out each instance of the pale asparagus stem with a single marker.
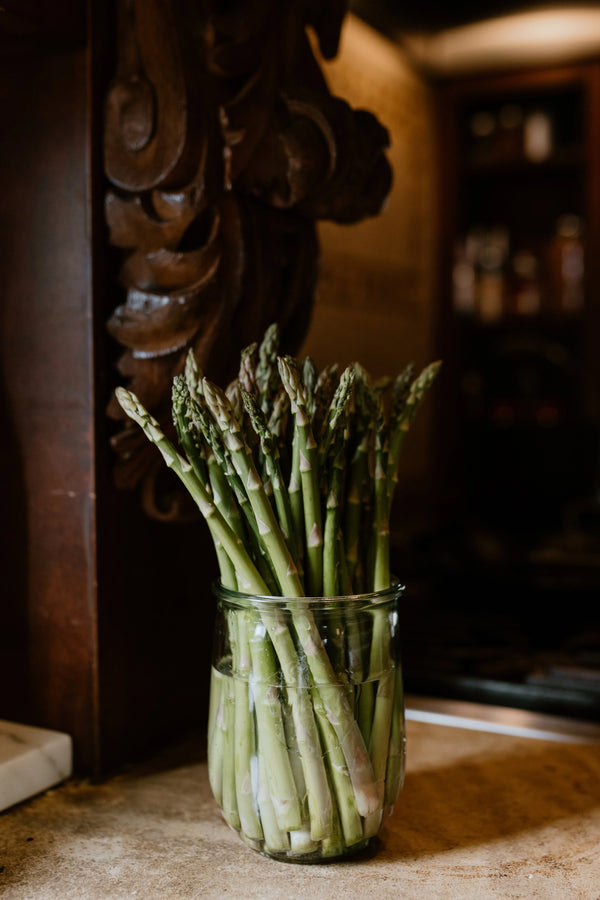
(294, 751)
(333, 844)
(245, 745)
(318, 793)
(397, 750)
(216, 734)
(339, 710)
(276, 838)
(366, 701)
(382, 673)
(247, 574)
(229, 798)
(307, 738)
(309, 476)
(350, 819)
(271, 732)
(301, 843)
(380, 731)
(270, 532)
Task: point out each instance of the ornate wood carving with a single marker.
(223, 146)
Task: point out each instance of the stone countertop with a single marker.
(485, 812)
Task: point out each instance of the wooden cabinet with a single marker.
(520, 294)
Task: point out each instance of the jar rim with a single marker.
(371, 598)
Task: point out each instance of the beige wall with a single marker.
(374, 302)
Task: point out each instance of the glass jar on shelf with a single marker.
(526, 286)
(491, 282)
(567, 265)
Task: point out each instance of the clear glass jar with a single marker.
(306, 743)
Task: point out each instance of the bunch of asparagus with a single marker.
(294, 471)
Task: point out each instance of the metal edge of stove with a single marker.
(500, 720)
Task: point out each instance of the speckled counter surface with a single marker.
(481, 815)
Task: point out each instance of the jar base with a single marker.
(314, 857)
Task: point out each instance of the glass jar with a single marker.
(306, 743)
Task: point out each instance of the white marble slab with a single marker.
(31, 761)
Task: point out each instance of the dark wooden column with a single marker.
(49, 647)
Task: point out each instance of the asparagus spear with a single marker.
(270, 453)
(323, 395)
(358, 482)
(266, 367)
(309, 475)
(269, 529)
(405, 416)
(246, 571)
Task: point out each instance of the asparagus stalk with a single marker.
(196, 454)
(268, 526)
(267, 382)
(336, 417)
(309, 475)
(228, 794)
(243, 727)
(358, 483)
(405, 416)
(229, 489)
(323, 395)
(246, 572)
(334, 483)
(216, 733)
(273, 469)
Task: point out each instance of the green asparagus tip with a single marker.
(130, 404)
(192, 372)
(290, 377)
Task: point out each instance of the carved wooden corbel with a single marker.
(223, 146)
